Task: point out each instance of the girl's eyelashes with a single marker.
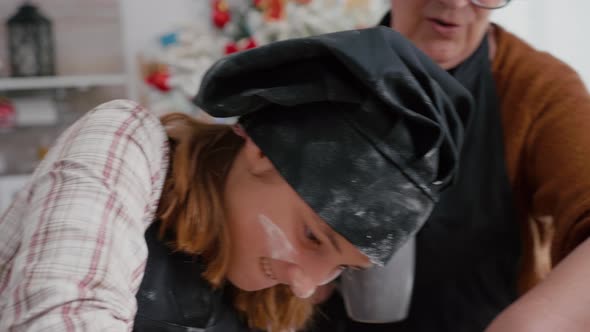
(349, 267)
(311, 236)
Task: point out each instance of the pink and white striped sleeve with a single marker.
(72, 250)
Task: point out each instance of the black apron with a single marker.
(173, 297)
(468, 252)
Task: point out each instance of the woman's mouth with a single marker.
(443, 27)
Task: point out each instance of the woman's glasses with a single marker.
(490, 4)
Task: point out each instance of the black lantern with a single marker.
(30, 41)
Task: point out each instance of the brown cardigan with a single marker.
(546, 119)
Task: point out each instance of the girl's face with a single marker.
(276, 237)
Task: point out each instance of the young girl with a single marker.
(343, 144)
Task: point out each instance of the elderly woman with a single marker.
(506, 249)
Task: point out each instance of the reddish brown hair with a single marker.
(191, 208)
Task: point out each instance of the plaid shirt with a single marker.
(72, 248)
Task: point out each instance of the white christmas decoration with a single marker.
(184, 55)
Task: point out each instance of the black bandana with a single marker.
(363, 125)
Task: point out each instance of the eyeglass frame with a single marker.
(475, 3)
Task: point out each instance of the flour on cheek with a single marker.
(282, 249)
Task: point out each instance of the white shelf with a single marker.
(58, 82)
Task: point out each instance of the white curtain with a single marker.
(561, 27)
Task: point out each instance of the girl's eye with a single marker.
(348, 267)
(309, 234)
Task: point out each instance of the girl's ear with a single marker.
(256, 161)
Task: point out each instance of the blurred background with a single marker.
(60, 58)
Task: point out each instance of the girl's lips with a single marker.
(266, 266)
(282, 272)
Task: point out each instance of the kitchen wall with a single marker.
(87, 34)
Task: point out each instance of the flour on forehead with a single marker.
(288, 136)
(322, 154)
(368, 160)
(341, 200)
(379, 249)
(413, 204)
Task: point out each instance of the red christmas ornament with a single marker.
(250, 43)
(7, 114)
(241, 45)
(220, 13)
(221, 18)
(159, 80)
(231, 48)
(275, 9)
